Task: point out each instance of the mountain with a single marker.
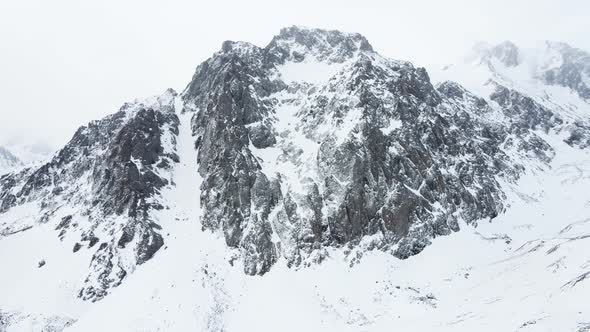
(8, 161)
(314, 175)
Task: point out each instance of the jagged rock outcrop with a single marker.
(296, 44)
(372, 150)
(102, 186)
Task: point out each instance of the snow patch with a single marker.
(309, 71)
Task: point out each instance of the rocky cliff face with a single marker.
(361, 151)
(313, 142)
(569, 67)
(100, 189)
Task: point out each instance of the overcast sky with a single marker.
(66, 62)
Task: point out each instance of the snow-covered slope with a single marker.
(314, 184)
(526, 271)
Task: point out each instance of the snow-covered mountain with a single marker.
(8, 161)
(315, 184)
(555, 75)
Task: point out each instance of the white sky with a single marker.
(66, 62)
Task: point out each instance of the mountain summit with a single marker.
(297, 43)
(313, 160)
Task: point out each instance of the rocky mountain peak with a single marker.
(298, 43)
(163, 102)
(318, 141)
(506, 52)
(239, 47)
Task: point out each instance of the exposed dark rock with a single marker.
(523, 110)
(92, 241)
(262, 136)
(331, 46)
